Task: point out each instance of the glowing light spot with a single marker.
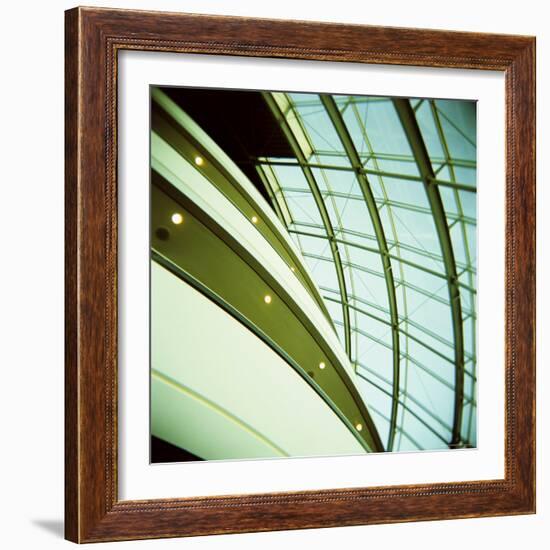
(177, 218)
(199, 161)
(322, 365)
(254, 219)
(359, 427)
(267, 299)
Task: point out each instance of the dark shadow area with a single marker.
(55, 527)
(162, 451)
(240, 122)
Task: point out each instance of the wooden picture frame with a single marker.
(93, 511)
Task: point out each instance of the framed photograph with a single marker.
(300, 275)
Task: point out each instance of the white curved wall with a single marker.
(220, 392)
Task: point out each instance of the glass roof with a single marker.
(380, 198)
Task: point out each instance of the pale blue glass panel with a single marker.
(419, 257)
(407, 168)
(468, 201)
(472, 242)
(309, 227)
(315, 245)
(435, 396)
(290, 177)
(335, 311)
(365, 303)
(434, 316)
(384, 129)
(371, 288)
(422, 434)
(449, 200)
(465, 175)
(366, 258)
(433, 340)
(459, 247)
(341, 181)
(458, 121)
(427, 416)
(406, 191)
(468, 325)
(302, 207)
(323, 272)
(429, 132)
(319, 128)
(376, 355)
(378, 401)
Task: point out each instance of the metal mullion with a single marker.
(391, 256)
(408, 409)
(454, 184)
(420, 365)
(396, 204)
(422, 210)
(406, 320)
(458, 284)
(446, 151)
(463, 163)
(401, 331)
(358, 299)
(373, 172)
(418, 147)
(289, 134)
(401, 430)
(355, 99)
(409, 396)
(435, 336)
(404, 246)
(272, 196)
(358, 309)
(351, 151)
(345, 248)
(455, 126)
(378, 274)
(418, 105)
(320, 165)
(280, 196)
(350, 264)
(414, 361)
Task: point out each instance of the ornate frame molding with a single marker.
(93, 38)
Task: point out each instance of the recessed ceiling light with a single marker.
(359, 427)
(254, 219)
(322, 365)
(177, 218)
(267, 299)
(292, 268)
(199, 161)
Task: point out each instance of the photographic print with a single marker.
(313, 270)
(275, 304)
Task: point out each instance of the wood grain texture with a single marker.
(93, 38)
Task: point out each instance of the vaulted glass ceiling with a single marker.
(380, 197)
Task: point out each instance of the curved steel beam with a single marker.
(443, 140)
(353, 156)
(320, 203)
(174, 126)
(190, 254)
(420, 153)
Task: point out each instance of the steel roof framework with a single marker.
(424, 156)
